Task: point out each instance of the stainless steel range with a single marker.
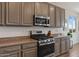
(45, 44)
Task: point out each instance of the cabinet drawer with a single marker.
(32, 52)
(25, 46)
(9, 49)
(30, 49)
(11, 54)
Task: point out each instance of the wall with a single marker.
(24, 31)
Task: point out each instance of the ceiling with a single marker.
(73, 6)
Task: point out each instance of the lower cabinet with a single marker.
(22, 50)
(10, 51)
(11, 54)
(57, 46)
(31, 52)
(67, 44)
(62, 45)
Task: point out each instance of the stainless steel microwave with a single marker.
(41, 21)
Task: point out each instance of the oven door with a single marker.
(45, 50)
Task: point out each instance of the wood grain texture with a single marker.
(27, 13)
(31, 52)
(2, 13)
(18, 46)
(41, 9)
(15, 41)
(13, 13)
(52, 15)
(58, 19)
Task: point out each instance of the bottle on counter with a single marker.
(49, 33)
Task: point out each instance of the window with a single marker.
(72, 23)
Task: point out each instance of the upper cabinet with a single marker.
(2, 11)
(27, 13)
(60, 17)
(13, 13)
(52, 15)
(21, 13)
(41, 9)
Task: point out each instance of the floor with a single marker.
(74, 52)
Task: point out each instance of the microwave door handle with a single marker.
(47, 21)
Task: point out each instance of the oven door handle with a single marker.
(46, 44)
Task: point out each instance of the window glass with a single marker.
(72, 23)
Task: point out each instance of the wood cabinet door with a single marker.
(27, 13)
(57, 46)
(63, 45)
(37, 8)
(67, 44)
(62, 18)
(44, 9)
(58, 19)
(2, 13)
(41, 9)
(52, 15)
(13, 13)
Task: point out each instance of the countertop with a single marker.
(15, 41)
(8, 41)
(61, 36)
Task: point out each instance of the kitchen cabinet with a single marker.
(52, 15)
(2, 13)
(20, 50)
(57, 46)
(62, 17)
(58, 19)
(10, 51)
(13, 13)
(21, 13)
(62, 45)
(29, 45)
(67, 44)
(27, 13)
(41, 9)
(11, 54)
(29, 50)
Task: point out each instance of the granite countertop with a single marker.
(15, 41)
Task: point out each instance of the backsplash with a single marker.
(24, 31)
